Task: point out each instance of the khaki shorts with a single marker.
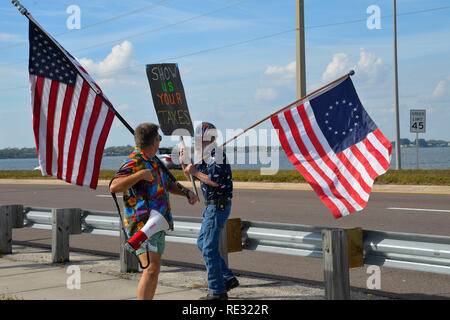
(157, 242)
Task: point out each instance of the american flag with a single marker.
(71, 122)
(336, 146)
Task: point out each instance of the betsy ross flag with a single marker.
(71, 122)
(336, 146)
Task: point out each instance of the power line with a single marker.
(146, 32)
(156, 4)
(253, 39)
(162, 27)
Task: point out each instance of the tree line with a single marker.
(25, 153)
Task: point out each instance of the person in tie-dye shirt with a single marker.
(145, 187)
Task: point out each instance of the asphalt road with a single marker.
(287, 206)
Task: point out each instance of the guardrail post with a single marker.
(128, 261)
(61, 228)
(5, 230)
(335, 264)
(75, 221)
(17, 216)
(11, 216)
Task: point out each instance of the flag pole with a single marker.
(27, 14)
(350, 73)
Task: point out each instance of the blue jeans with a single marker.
(208, 243)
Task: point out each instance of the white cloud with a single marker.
(369, 68)
(121, 57)
(288, 69)
(336, 67)
(266, 94)
(9, 37)
(274, 78)
(442, 89)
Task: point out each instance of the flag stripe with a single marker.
(76, 129)
(87, 144)
(50, 125)
(367, 167)
(372, 160)
(317, 178)
(81, 138)
(356, 173)
(380, 149)
(45, 96)
(344, 178)
(70, 124)
(58, 109)
(100, 147)
(297, 163)
(358, 166)
(375, 153)
(93, 148)
(331, 185)
(385, 142)
(38, 87)
(65, 112)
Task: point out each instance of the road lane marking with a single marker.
(417, 209)
(107, 196)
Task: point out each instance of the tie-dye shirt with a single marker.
(145, 195)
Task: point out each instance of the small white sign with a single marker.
(417, 120)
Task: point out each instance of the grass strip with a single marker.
(401, 177)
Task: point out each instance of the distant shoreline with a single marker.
(30, 153)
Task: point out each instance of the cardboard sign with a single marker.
(169, 98)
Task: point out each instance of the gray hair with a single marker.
(145, 134)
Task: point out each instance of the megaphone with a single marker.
(156, 222)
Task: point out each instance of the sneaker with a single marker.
(231, 283)
(215, 296)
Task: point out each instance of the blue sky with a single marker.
(230, 78)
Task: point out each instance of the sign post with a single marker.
(417, 124)
(170, 102)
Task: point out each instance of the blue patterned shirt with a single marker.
(218, 172)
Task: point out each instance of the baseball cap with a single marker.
(203, 130)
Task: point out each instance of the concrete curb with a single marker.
(424, 189)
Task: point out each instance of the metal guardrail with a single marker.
(417, 252)
(409, 251)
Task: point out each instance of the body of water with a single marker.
(429, 158)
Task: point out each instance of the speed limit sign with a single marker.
(417, 121)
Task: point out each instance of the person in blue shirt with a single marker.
(216, 182)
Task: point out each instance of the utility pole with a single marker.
(300, 37)
(398, 163)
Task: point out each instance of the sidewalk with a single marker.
(29, 274)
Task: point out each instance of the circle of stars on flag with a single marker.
(351, 109)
